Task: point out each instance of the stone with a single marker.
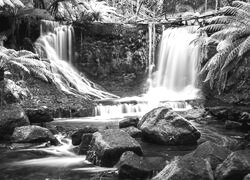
(193, 114)
(164, 126)
(235, 166)
(127, 122)
(213, 153)
(133, 166)
(11, 116)
(186, 168)
(39, 115)
(85, 142)
(107, 146)
(77, 135)
(247, 177)
(233, 125)
(33, 134)
(133, 131)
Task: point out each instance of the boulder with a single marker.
(186, 168)
(247, 177)
(11, 116)
(33, 134)
(235, 166)
(214, 153)
(233, 125)
(164, 126)
(39, 115)
(77, 135)
(107, 146)
(133, 166)
(85, 142)
(133, 131)
(127, 122)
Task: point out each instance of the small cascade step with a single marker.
(137, 106)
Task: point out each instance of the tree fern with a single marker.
(231, 32)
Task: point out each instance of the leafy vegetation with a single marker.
(231, 32)
(24, 62)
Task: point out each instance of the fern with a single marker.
(232, 33)
(26, 62)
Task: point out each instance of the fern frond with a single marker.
(245, 46)
(221, 19)
(19, 66)
(214, 27)
(242, 5)
(232, 55)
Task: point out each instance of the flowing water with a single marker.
(174, 80)
(56, 45)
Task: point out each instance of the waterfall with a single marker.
(175, 77)
(56, 45)
(174, 80)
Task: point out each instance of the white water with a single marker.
(56, 44)
(174, 80)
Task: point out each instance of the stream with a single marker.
(43, 162)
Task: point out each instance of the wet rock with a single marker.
(164, 126)
(213, 153)
(186, 168)
(12, 93)
(39, 115)
(33, 134)
(235, 166)
(127, 122)
(233, 125)
(133, 131)
(247, 177)
(107, 146)
(85, 142)
(11, 116)
(77, 136)
(133, 166)
(193, 114)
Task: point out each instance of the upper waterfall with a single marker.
(176, 68)
(56, 45)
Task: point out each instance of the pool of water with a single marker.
(39, 162)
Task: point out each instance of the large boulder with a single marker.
(235, 166)
(39, 115)
(164, 126)
(186, 168)
(214, 153)
(11, 116)
(33, 134)
(107, 146)
(133, 166)
(77, 135)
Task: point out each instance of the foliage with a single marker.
(231, 32)
(25, 62)
(82, 10)
(11, 3)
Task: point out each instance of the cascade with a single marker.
(173, 81)
(175, 77)
(56, 45)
